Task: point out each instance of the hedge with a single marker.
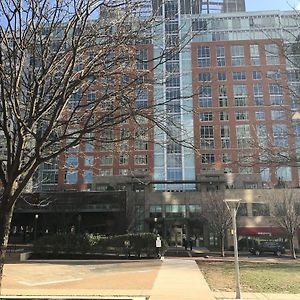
(140, 244)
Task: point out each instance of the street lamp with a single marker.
(35, 225)
(155, 222)
(233, 205)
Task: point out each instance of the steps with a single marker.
(177, 252)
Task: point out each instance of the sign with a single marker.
(158, 242)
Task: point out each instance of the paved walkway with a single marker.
(180, 279)
(169, 279)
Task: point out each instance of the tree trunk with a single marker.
(5, 220)
(292, 248)
(222, 245)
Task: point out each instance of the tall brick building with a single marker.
(227, 93)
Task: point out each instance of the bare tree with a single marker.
(70, 73)
(218, 216)
(286, 214)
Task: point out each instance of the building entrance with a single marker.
(176, 235)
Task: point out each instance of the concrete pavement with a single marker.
(180, 279)
(169, 279)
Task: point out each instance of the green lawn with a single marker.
(255, 277)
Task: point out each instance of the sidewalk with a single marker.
(168, 279)
(180, 279)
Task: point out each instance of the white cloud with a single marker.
(298, 6)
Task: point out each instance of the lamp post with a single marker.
(154, 228)
(233, 205)
(35, 225)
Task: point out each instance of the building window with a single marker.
(223, 96)
(208, 158)
(106, 172)
(241, 115)
(172, 67)
(280, 135)
(205, 97)
(273, 75)
(265, 174)
(207, 137)
(260, 115)
(155, 211)
(91, 99)
(140, 145)
(142, 59)
(173, 147)
(72, 161)
(123, 172)
(174, 161)
(278, 115)
(174, 173)
(242, 211)
(203, 56)
(239, 75)
(243, 136)
(89, 147)
(204, 76)
(256, 75)
(226, 158)
(258, 94)
(173, 81)
(260, 209)
(173, 106)
(140, 159)
(71, 177)
(106, 160)
(237, 55)
(206, 116)
(49, 178)
(272, 54)
(141, 99)
(175, 210)
(224, 116)
(88, 160)
(88, 176)
(240, 94)
(221, 76)
(220, 56)
(123, 159)
(246, 170)
(194, 210)
(261, 132)
(254, 55)
(284, 173)
(173, 94)
(199, 25)
(225, 136)
(74, 101)
(276, 94)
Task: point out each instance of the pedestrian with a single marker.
(185, 244)
(191, 244)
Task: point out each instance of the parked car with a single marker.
(274, 247)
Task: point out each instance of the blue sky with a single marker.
(256, 5)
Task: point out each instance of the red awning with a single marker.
(261, 231)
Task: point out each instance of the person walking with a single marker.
(191, 244)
